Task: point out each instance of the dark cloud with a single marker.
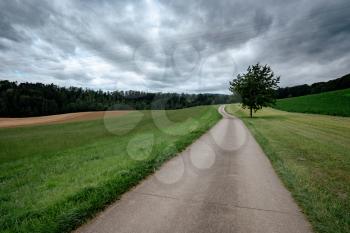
(30, 13)
(7, 31)
(184, 46)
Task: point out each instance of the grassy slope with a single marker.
(328, 103)
(311, 155)
(54, 177)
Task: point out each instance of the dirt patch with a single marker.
(61, 118)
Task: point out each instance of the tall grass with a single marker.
(311, 155)
(54, 177)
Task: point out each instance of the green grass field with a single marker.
(329, 103)
(54, 177)
(311, 154)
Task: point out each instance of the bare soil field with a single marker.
(61, 118)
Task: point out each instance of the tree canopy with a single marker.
(256, 88)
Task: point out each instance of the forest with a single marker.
(37, 99)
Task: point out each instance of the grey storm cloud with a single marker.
(182, 46)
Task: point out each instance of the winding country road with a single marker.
(221, 183)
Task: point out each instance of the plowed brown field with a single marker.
(68, 117)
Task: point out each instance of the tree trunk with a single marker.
(251, 112)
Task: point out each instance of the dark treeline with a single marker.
(332, 85)
(37, 99)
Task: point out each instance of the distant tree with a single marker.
(257, 87)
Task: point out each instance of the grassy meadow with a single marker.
(54, 177)
(311, 154)
(329, 103)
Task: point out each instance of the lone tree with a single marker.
(257, 87)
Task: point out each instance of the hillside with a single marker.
(327, 103)
(315, 88)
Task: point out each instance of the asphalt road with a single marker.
(221, 183)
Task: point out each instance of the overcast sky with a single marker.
(167, 45)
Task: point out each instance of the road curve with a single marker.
(223, 182)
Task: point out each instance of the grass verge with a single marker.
(54, 177)
(335, 103)
(311, 155)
